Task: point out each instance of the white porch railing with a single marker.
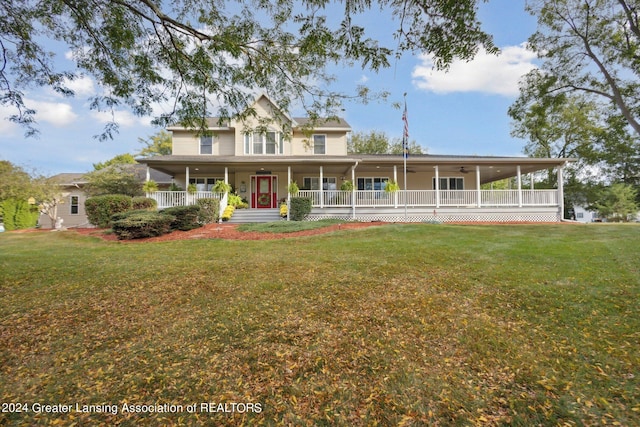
(416, 198)
(167, 199)
(368, 198)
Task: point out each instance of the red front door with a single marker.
(264, 192)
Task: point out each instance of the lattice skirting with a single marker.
(445, 217)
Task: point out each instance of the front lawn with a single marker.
(393, 325)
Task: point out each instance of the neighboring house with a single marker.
(581, 214)
(261, 156)
(71, 210)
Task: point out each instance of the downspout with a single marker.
(478, 190)
(437, 186)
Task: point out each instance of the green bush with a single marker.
(300, 208)
(186, 217)
(126, 214)
(18, 214)
(145, 203)
(209, 210)
(139, 224)
(99, 209)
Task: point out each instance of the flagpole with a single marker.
(405, 153)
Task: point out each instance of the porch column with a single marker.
(519, 186)
(437, 186)
(288, 194)
(226, 175)
(478, 192)
(148, 174)
(321, 187)
(186, 183)
(561, 190)
(353, 191)
(531, 189)
(395, 193)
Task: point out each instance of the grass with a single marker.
(394, 325)
(288, 226)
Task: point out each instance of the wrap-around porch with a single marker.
(432, 188)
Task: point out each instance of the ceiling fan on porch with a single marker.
(464, 170)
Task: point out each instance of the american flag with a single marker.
(405, 133)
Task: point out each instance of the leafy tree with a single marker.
(200, 55)
(590, 47)
(558, 125)
(618, 203)
(15, 182)
(49, 195)
(120, 159)
(115, 179)
(376, 142)
(396, 147)
(156, 145)
(15, 190)
(372, 143)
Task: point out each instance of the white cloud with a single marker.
(486, 73)
(59, 114)
(122, 118)
(81, 86)
(363, 79)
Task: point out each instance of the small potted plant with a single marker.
(221, 187)
(391, 187)
(192, 188)
(293, 188)
(346, 186)
(150, 187)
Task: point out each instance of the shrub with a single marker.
(99, 209)
(126, 214)
(209, 210)
(139, 224)
(145, 203)
(300, 208)
(186, 217)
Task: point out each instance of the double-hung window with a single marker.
(75, 205)
(206, 145)
(263, 143)
(319, 144)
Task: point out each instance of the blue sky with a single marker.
(463, 111)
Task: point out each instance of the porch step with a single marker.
(254, 215)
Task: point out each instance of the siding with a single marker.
(64, 212)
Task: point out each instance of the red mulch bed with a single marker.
(227, 231)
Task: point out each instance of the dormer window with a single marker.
(263, 143)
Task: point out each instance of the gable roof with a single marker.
(217, 123)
